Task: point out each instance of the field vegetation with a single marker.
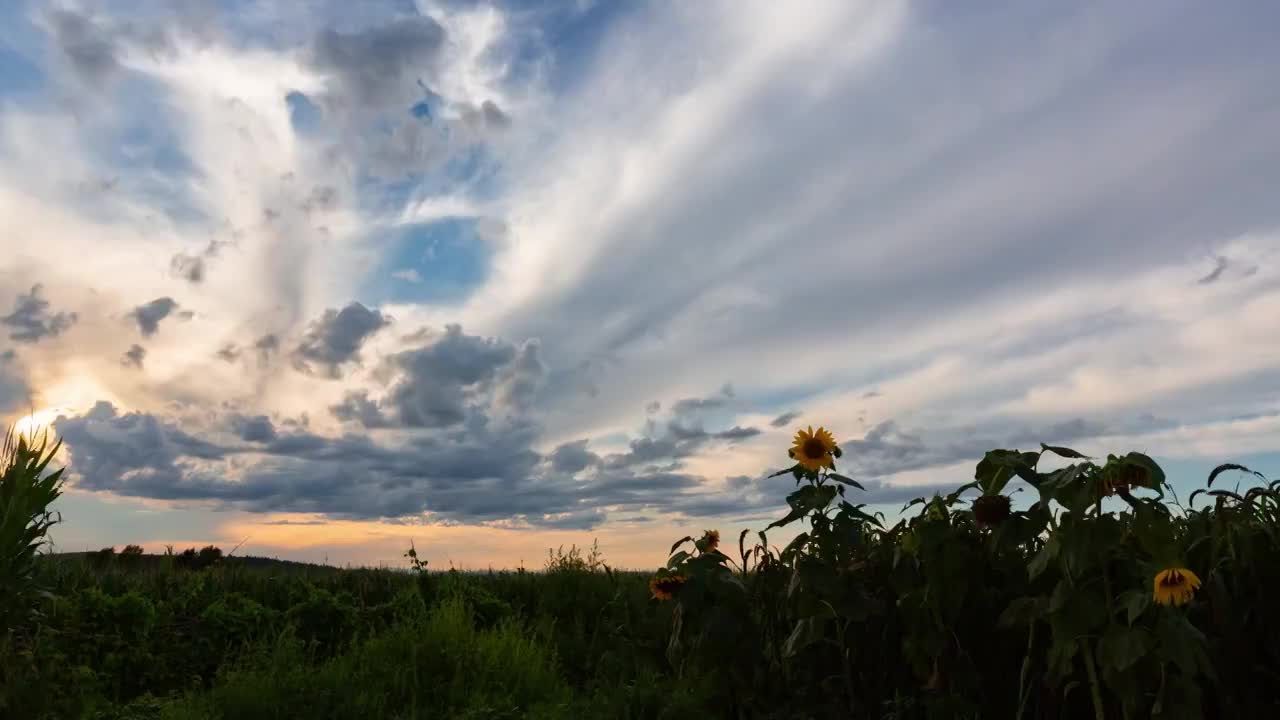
(1102, 595)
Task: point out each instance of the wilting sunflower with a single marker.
(710, 541)
(814, 450)
(664, 587)
(1175, 586)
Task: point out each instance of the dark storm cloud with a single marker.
(32, 321)
(335, 339)
(474, 476)
(441, 384)
(149, 315)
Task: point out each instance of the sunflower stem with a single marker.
(1023, 692)
(1095, 690)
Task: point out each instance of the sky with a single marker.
(328, 278)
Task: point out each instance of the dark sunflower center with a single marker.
(813, 448)
(1173, 579)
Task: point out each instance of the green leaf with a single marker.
(1146, 463)
(1230, 466)
(1022, 611)
(678, 543)
(1041, 561)
(998, 467)
(1064, 452)
(806, 632)
(807, 499)
(785, 472)
(1122, 647)
(1134, 602)
(846, 481)
(677, 558)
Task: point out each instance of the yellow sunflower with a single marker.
(666, 586)
(1175, 586)
(814, 450)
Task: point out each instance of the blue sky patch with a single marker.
(437, 262)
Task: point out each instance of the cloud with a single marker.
(149, 315)
(378, 65)
(573, 457)
(1220, 266)
(334, 339)
(784, 419)
(887, 449)
(486, 119)
(192, 267)
(85, 45)
(228, 353)
(134, 356)
(408, 275)
(440, 384)
(736, 433)
(32, 321)
(255, 429)
(358, 408)
(266, 346)
(692, 406)
(14, 393)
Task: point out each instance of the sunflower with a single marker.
(710, 541)
(665, 586)
(991, 510)
(1175, 586)
(814, 450)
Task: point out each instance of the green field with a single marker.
(1104, 598)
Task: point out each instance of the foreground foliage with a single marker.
(1103, 597)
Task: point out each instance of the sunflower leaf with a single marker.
(1230, 466)
(846, 481)
(679, 542)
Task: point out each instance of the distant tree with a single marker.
(131, 554)
(187, 559)
(209, 555)
(104, 557)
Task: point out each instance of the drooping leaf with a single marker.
(807, 631)
(1063, 452)
(846, 481)
(678, 543)
(1230, 466)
